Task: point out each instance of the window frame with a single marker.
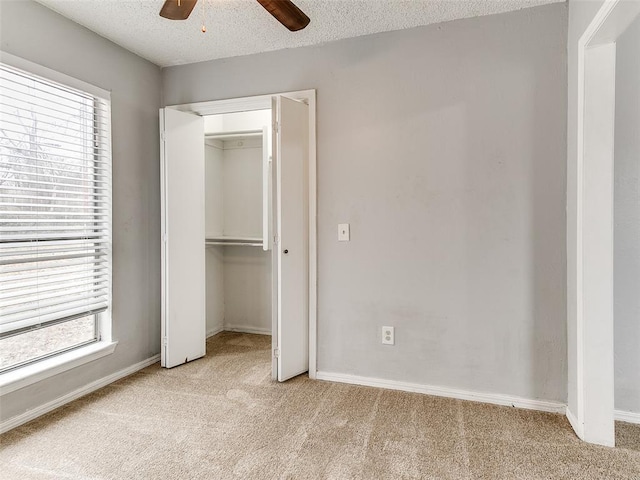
(22, 376)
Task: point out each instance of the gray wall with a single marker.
(444, 147)
(214, 217)
(627, 222)
(42, 36)
(247, 289)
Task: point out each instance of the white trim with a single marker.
(34, 413)
(164, 303)
(611, 21)
(214, 331)
(573, 421)
(629, 417)
(29, 374)
(106, 318)
(247, 329)
(53, 75)
(313, 237)
(493, 398)
(241, 104)
(597, 22)
(579, 248)
(239, 329)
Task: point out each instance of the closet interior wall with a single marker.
(238, 278)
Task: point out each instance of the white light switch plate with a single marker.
(343, 232)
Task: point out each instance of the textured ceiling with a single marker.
(242, 27)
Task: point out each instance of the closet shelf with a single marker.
(234, 241)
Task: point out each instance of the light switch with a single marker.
(343, 232)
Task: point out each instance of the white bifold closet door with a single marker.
(291, 142)
(183, 233)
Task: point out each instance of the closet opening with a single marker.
(237, 248)
(239, 229)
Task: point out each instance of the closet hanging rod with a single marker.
(234, 241)
(229, 238)
(234, 244)
(232, 135)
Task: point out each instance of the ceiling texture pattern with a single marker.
(242, 27)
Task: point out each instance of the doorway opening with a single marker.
(626, 243)
(591, 409)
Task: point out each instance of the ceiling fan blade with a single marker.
(286, 13)
(177, 10)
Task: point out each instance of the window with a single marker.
(55, 217)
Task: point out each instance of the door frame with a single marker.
(594, 417)
(263, 102)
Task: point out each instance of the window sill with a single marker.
(30, 374)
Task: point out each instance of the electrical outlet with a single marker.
(388, 336)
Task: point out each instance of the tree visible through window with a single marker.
(55, 203)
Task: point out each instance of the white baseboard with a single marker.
(629, 417)
(493, 398)
(34, 413)
(246, 329)
(214, 331)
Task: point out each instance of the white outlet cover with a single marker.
(388, 336)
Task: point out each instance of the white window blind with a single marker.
(55, 203)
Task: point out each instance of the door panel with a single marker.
(292, 149)
(183, 225)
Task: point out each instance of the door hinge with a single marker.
(164, 341)
(276, 352)
(164, 238)
(162, 136)
(276, 127)
(276, 240)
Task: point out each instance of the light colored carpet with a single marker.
(222, 417)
